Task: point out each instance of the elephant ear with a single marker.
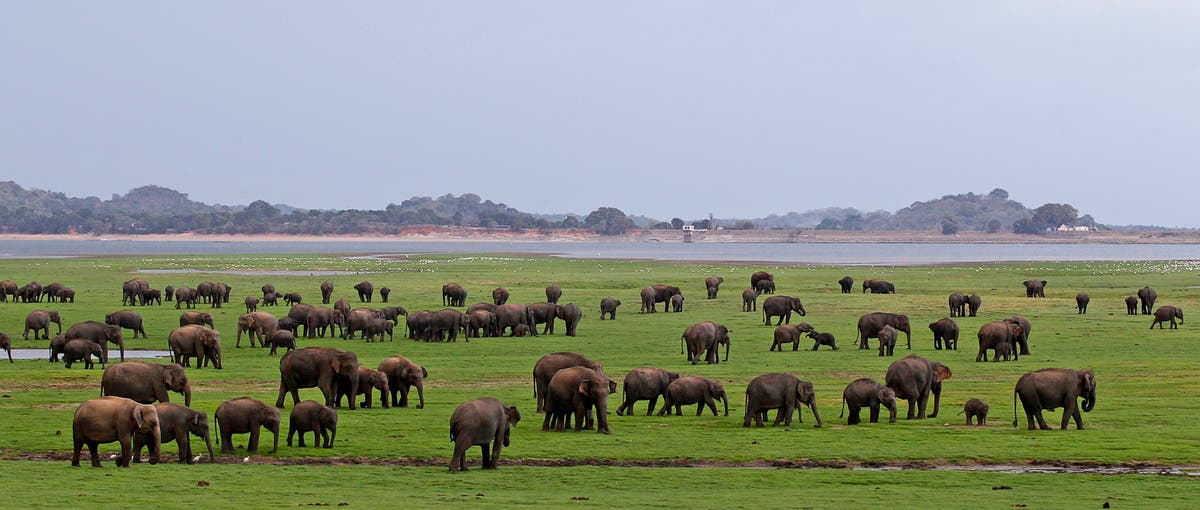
(168, 377)
(336, 363)
(424, 373)
(714, 388)
(585, 387)
(514, 416)
(885, 394)
(940, 372)
(1087, 382)
(804, 392)
(138, 419)
(612, 386)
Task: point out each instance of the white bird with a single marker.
(245, 460)
(197, 458)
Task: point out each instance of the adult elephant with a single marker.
(542, 313)
(403, 375)
(1131, 305)
(418, 324)
(701, 391)
(344, 306)
(993, 335)
(454, 294)
(1167, 314)
(913, 378)
(662, 294)
(109, 419)
(870, 394)
(789, 334)
(132, 290)
(510, 315)
(267, 289)
(647, 299)
(206, 291)
(99, 333)
(1051, 388)
(316, 367)
(1035, 288)
(321, 320)
(50, 292)
(146, 383)
(548, 365)
(169, 293)
(608, 306)
(760, 276)
(973, 303)
(784, 392)
(1147, 296)
(177, 423)
(944, 330)
(365, 291)
(477, 423)
(553, 293)
(645, 383)
(447, 322)
(185, 296)
(847, 283)
(357, 320)
(482, 324)
(870, 324)
(1081, 302)
(958, 304)
(499, 296)
(571, 315)
(782, 307)
(326, 292)
(6, 344)
(750, 300)
(384, 292)
(127, 319)
(712, 285)
(198, 342)
(1026, 328)
(705, 338)
(577, 391)
(197, 318)
(8, 288)
(256, 325)
(878, 286)
(40, 320)
(246, 415)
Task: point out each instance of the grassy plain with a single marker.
(1147, 382)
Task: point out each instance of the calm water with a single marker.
(799, 253)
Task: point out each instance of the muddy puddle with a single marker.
(43, 354)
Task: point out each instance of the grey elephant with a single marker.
(944, 330)
(321, 320)
(509, 316)
(245, 415)
(847, 283)
(196, 318)
(765, 286)
(553, 293)
(1051, 388)
(499, 296)
(760, 276)
(186, 296)
(870, 324)
(1035, 288)
(131, 290)
(316, 367)
(281, 338)
(550, 364)
(99, 333)
(694, 390)
(878, 286)
(402, 375)
(1131, 305)
(145, 382)
(326, 291)
(1026, 328)
(705, 338)
(109, 419)
(482, 324)
(368, 379)
(315, 417)
(655, 294)
(993, 334)
(40, 320)
(56, 347)
(677, 303)
(365, 291)
(251, 304)
(1147, 296)
(1081, 302)
(750, 300)
(1167, 314)
(454, 294)
(976, 410)
(542, 313)
(127, 319)
(256, 325)
(784, 392)
(712, 285)
(448, 322)
(482, 422)
(973, 304)
(887, 340)
(570, 315)
(177, 423)
(198, 342)
(81, 350)
(820, 339)
(958, 304)
(608, 306)
(870, 394)
(576, 392)
(6, 344)
(782, 307)
(914, 378)
(644, 383)
(789, 334)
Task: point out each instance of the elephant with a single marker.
(887, 340)
(973, 303)
(1051, 388)
(705, 338)
(393, 313)
(82, 350)
(477, 423)
(146, 383)
(867, 393)
(326, 292)
(378, 327)
(99, 333)
(197, 318)
(655, 294)
(177, 423)
(256, 325)
(1081, 302)
(321, 320)
(365, 291)
(553, 293)
(271, 299)
(148, 296)
(765, 286)
(8, 288)
(1131, 305)
(315, 417)
(694, 390)
(1167, 314)
(820, 339)
(6, 344)
(267, 289)
(847, 283)
(500, 296)
(510, 315)
(185, 296)
(542, 313)
(288, 324)
(67, 295)
(384, 292)
(1026, 328)
(56, 347)
(570, 314)
(521, 330)
(782, 307)
(109, 419)
(1147, 296)
(608, 306)
(482, 324)
(195, 341)
(280, 338)
(976, 409)
(677, 303)
(293, 298)
(368, 378)
(418, 324)
(878, 286)
(246, 415)
(789, 334)
(169, 293)
(299, 313)
(220, 294)
(316, 367)
(576, 391)
(402, 374)
(50, 292)
(645, 383)
(127, 319)
(750, 300)
(482, 306)
(205, 291)
(548, 365)
(944, 329)
(39, 320)
(1035, 288)
(712, 285)
(993, 334)
(913, 378)
(759, 276)
(870, 324)
(449, 321)
(784, 392)
(958, 304)
(131, 291)
(343, 306)
(454, 294)
(251, 304)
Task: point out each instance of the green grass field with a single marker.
(1146, 404)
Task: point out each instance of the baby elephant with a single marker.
(820, 339)
(694, 390)
(281, 338)
(477, 423)
(316, 417)
(608, 306)
(868, 393)
(82, 350)
(887, 340)
(977, 409)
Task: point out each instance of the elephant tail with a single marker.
(1014, 408)
(681, 347)
(843, 414)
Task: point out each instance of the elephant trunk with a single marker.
(208, 443)
(1089, 402)
(333, 433)
(812, 405)
(892, 412)
(725, 399)
(121, 344)
(275, 432)
(187, 395)
(155, 454)
(727, 342)
(420, 396)
(937, 399)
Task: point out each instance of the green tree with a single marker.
(993, 226)
(608, 221)
(676, 223)
(1053, 215)
(949, 226)
(998, 194)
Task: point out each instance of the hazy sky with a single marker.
(666, 109)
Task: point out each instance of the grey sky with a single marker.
(659, 108)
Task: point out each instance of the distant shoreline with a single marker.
(666, 236)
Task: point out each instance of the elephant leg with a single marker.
(252, 445)
(650, 410)
(126, 452)
(486, 453)
(1069, 410)
(458, 462)
(854, 418)
(185, 447)
(922, 402)
(546, 421)
(795, 345)
(226, 441)
(403, 395)
(875, 413)
(93, 452)
(711, 405)
(292, 432)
